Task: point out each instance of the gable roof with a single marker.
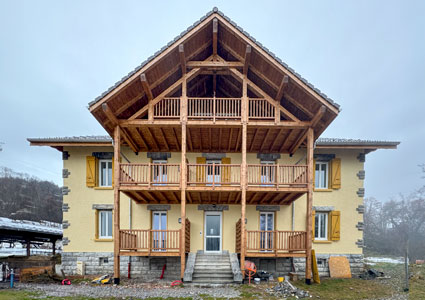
(266, 71)
(182, 34)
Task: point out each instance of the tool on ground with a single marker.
(176, 283)
(250, 270)
(105, 279)
(66, 282)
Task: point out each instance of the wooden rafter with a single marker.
(155, 142)
(164, 138)
(238, 140)
(214, 64)
(286, 140)
(169, 90)
(113, 119)
(303, 134)
(265, 138)
(176, 140)
(135, 131)
(151, 198)
(189, 197)
(219, 139)
(230, 139)
(210, 137)
(253, 139)
(189, 139)
(247, 59)
(182, 59)
(138, 196)
(282, 87)
(214, 36)
(275, 139)
(201, 145)
(146, 86)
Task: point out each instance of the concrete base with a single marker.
(99, 263)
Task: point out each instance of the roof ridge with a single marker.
(241, 30)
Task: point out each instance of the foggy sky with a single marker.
(368, 56)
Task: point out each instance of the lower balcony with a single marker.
(151, 242)
(272, 243)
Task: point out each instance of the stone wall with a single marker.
(355, 260)
(99, 263)
(282, 266)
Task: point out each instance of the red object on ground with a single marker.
(163, 270)
(250, 270)
(129, 271)
(176, 283)
(66, 282)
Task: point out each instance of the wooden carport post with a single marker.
(183, 118)
(243, 171)
(310, 141)
(117, 150)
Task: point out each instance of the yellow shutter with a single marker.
(200, 170)
(226, 170)
(314, 173)
(335, 225)
(336, 173)
(313, 222)
(91, 171)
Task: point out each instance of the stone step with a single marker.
(202, 273)
(212, 261)
(212, 269)
(212, 275)
(212, 281)
(207, 263)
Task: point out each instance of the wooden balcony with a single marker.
(214, 109)
(159, 176)
(275, 243)
(149, 242)
(276, 176)
(213, 176)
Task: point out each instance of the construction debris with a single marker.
(286, 289)
(105, 279)
(373, 274)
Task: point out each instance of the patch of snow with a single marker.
(375, 260)
(24, 225)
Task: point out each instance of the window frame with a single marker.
(316, 223)
(320, 186)
(108, 180)
(99, 224)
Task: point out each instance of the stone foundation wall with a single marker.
(99, 263)
(355, 260)
(282, 266)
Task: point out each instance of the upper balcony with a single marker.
(214, 109)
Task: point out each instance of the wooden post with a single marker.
(309, 223)
(54, 247)
(243, 172)
(183, 178)
(116, 234)
(28, 247)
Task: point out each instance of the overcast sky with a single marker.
(368, 56)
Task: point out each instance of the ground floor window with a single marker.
(105, 224)
(321, 226)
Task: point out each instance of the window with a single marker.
(267, 172)
(105, 224)
(105, 172)
(213, 171)
(159, 171)
(159, 225)
(321, 175)
(321, 226)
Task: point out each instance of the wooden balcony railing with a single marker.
(214, 108)
(214, 174)
(167, 108)
(150, 174)
(275, 241)
(275, 175)
(260, 109)
(149, 240)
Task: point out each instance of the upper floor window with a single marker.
(105, 172)
(321, 175)
(268, 171)
(105, 224)
(321, 226)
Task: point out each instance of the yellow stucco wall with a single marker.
(81, 216)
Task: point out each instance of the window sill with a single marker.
(103, 188)
(322, 242)
(322, 190)
(103, 240)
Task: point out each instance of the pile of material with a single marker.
(286, 289)
(373, 274)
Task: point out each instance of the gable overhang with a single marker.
(164, 69)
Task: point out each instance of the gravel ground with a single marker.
(396, 272)
(138, 291)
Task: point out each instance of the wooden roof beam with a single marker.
(282, 87)
(113, 119)
(146, 86)
(214, 64)
(214, 36)
(189, 76)
(303, 134)
(182, 59)
(247, 59)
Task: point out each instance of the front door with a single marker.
(266, 227)
(159, 235)
(212, 236)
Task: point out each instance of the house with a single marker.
(212, 159)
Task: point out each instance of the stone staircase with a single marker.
(212, 269)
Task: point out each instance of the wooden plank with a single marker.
(176, 140)
(182, 59)
(265, 138)
(155, 142)
(309, 206)
(214, 64)
(214, 36)
(116, 214)
(253, 140)
(283, 85)
(146, 86)
(247, 59)
(275, 139)
(167, 146)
